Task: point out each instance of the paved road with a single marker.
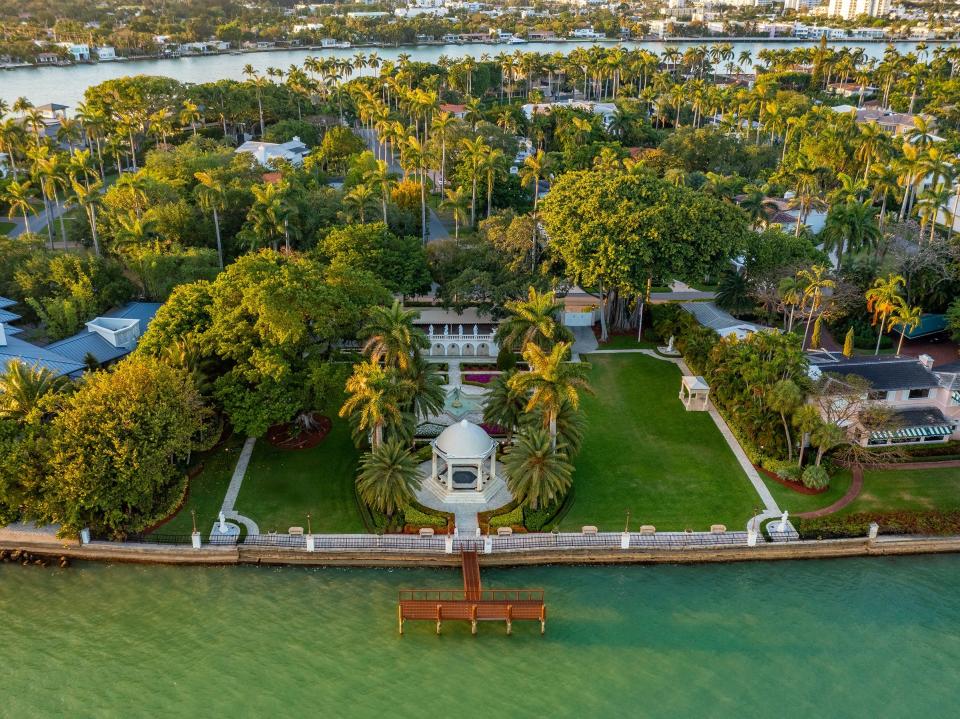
(436, 230)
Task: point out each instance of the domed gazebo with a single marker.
(469, 457)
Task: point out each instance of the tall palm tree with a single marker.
(88, 197)
(784, 397)
(493, 165)
(474, 153)
(905, 318)
(456, 201)
(930, 204)
(882, 299)
(552, 379)
(18, 195)
(25, 389)
(375, 399)
(414, 157)
(533, 320)
(851, 227)
(389, 477)
(814, 283)
(537, 468)
(211, 196)
(382, 179)
(534, 168)
(427, 387)
(442, 122)
(189, 115)
(391, 336)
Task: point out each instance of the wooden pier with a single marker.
(473, 603)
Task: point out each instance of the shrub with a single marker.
(815, 477)
(857, 525)
(510, 519)
(424, 453)
(422, 519)
(506, 360)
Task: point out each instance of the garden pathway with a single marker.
(585, 342)
(771, 509)
(234, 489)
(453, 372)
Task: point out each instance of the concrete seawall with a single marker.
(161, 554)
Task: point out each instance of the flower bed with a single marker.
(479, 379)
(795, 486)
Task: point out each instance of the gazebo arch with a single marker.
(695, 393)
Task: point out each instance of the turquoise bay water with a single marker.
(848, 638)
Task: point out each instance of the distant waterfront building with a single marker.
(801, 4)
(850, 9)
(106, 53)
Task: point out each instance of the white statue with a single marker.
(446, 330)
(460, 330)
(430, 331)
(476, 330)
(670, 344)
(783, 522)
(223, 523)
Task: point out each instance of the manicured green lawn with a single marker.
(5, 227)
(627, 342)
(912, 489)
(794, 502)
(643, 452)
(282, 486)
(207, 490)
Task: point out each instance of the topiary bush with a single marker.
(417, 518)
(815, 477)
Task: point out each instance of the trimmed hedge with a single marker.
(539, 519)
(945, 450)
(414, 516)
(857, 525)
(510, 519)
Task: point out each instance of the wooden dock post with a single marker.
(509, 619)
(400, 617)
(439, 617)
(473, 620)
(543, 619)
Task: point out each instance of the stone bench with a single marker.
(295, 531)
(589, 529)
(426, 532)
(504, 531)
(718, 528)
(647, 529)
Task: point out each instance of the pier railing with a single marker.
(459, 595)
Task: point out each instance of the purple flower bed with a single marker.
(493, 429)
(479, 378)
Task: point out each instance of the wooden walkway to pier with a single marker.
(473, 604)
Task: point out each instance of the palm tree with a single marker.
(26, 390)
(504, 406)
(474, 153)
(814, 283)
(493, 164)
(930, 203)
(389, 477)
(906, 318)
(189, 115)
(211, 196)
(851, 227)
(456, 201)
(414, 156)
(88, 197)
(551, 381)
(376, 396)
(805, 419)
(258, 83)
(533, 320)
(392, 337)
(442, 122)
(359, 199)
(538, 470)
(17, 195)
(382, 179)
(825, 436)
(427, 387)
(882, 299)
(534, 167)
(784, 397)
(790, 291)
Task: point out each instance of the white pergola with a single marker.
(464, 447)
(695, 393)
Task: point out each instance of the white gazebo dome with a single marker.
(464, 439)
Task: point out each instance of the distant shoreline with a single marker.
(440, 43)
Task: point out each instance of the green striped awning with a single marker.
(932, 430)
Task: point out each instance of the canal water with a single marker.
(842, 638)
(65, 85)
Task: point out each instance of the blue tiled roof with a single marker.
(77, 347)
(6, 316)
(6, 302)
(17, 349)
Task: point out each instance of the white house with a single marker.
(106, 53)
(293, 151)
(79, 50)
(606, 110)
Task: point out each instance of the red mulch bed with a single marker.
(795, 486)
(287, 436)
